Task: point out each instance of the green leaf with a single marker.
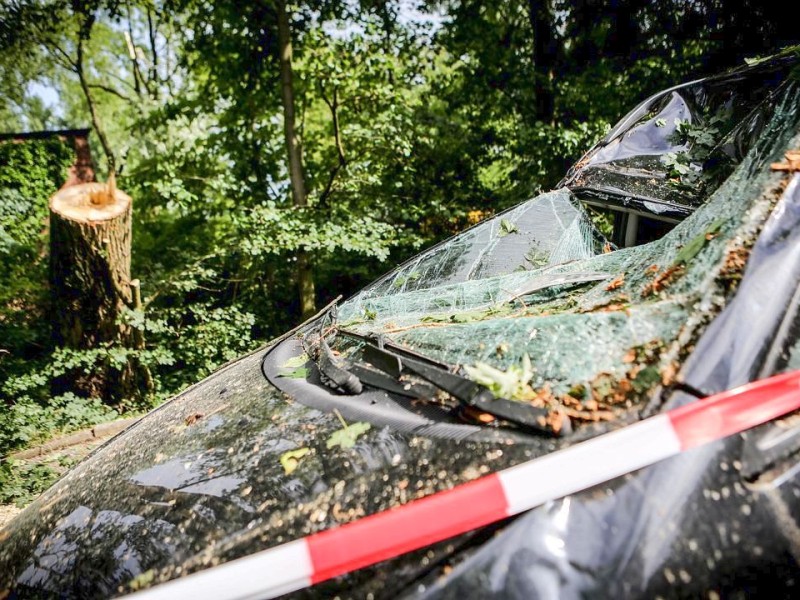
(507, 227)
(469, 316)
(513, 383)
(536, 257)
(661, 122)
(697, 243)
(346, 437)
(435, 319)
(296, 361)
(646, 379)
(291, 460)
(294, 368)
(298, 373)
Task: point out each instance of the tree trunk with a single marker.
(304, 272)
(545, 54)
(90, 269)
(623, 36)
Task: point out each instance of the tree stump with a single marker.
(90, 267)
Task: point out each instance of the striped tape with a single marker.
(388, 534)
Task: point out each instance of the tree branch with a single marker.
(333, 105)
(121, 80)
(153, 52)
(110, 90)
(62, 55)
(58, 53)
(110, 159)
(337, 135)
(138, 77)
(168, 52)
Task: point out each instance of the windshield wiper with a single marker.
(387, 366)
(472, 394)
(385, 362)
(331, 373)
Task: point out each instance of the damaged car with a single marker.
(663, 269)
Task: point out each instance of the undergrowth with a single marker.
(188, 331)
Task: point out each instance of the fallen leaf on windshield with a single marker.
(507, 227)
(513, 383)
(296, 361)
(616, 283)
(291, 459)
(193, 418)
(294, 368)
(697, 243)
(346, 436)
(474, 414)
(662, 280)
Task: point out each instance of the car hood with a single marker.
(200, 481)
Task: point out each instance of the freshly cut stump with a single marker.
(90, 268)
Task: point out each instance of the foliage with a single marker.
(28, 421)
(347, 436)
(29, 172)
(22, 482)
(688, 168)
(513, 383)
(414, 119)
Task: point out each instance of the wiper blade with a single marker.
(382, 381)
(395, 360)
(468, 392)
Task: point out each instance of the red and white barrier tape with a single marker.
(388, 534)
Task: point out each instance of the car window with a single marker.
(669, 153)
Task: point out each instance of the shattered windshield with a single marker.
(537, 293)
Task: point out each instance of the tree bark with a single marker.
(304, 272)
(287, 98)
(90, 264)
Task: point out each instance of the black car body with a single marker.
(693, 291)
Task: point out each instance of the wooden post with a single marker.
(90, 266)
